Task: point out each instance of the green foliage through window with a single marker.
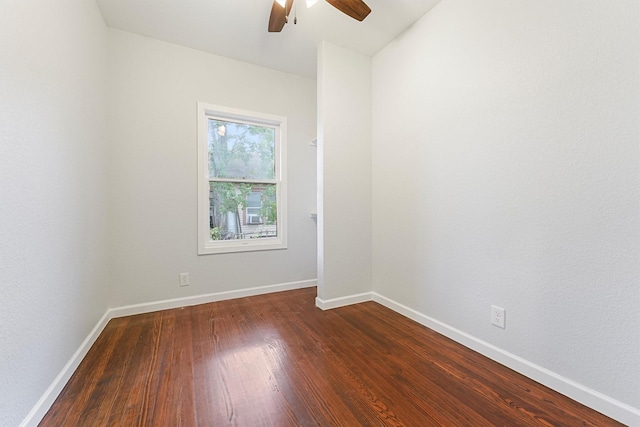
(241, 169)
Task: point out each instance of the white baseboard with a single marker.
(130, 310)
(604, 404)
(40, 409)
(38, 412)
(343, 301)
(591, 398)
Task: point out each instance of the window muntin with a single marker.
(242, 202)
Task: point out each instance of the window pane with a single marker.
(242, 210)
(254, 199)
(241, 151)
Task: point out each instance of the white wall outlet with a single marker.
(184, 279)
(497, 316)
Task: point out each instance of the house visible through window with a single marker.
(254, 205)
(242, 201)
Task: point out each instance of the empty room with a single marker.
(320, 213)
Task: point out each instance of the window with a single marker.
(241, 180)
(254, 205)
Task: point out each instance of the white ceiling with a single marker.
(238, 28)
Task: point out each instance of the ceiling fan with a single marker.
(357, 9)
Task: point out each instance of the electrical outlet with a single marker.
(497, 316)
(184, 279)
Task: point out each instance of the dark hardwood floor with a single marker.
(277, 360)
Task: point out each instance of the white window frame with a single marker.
(205, 244)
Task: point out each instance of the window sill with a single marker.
(235, 246)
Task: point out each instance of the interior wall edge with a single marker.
(578, 392)
(130, 310)
(40, 409)
(329, 304)
(600, 402)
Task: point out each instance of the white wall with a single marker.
(154, 87)
(506, 171)
(53, 188)
(344, 173)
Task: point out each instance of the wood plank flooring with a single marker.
(277, 360)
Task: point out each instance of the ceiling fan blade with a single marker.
(279, 15)
(357, 9)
